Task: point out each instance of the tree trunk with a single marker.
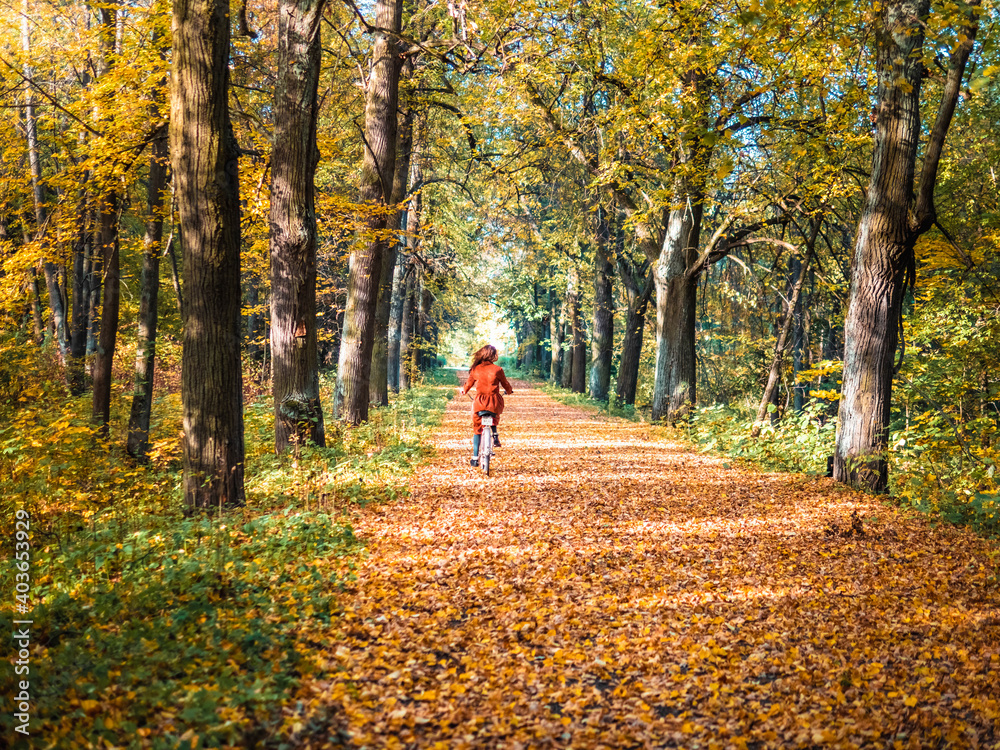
(566, 376)
(601, 347)
(395, 323)
(206, 179)
(378, 166)
(579, 379)
(779, 348)
(298, 414)
(110, 256)
(81, 307)
(137, 443)
(676, 298)
(56, 307)
(628, 368)
(378, 386)
(104, 359)
(893, 217)
(406, 331)
(425, 335)
(555, 337)
(94, 287)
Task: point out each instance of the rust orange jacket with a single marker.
(488, 379)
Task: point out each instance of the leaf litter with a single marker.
(609, 588)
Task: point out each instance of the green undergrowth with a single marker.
(154, 629)
(582, 401)
(938, 466)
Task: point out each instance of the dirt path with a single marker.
(606, 589)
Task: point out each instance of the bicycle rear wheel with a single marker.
(486, 464)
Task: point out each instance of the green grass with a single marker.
(152, 629)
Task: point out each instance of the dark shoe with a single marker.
(474, 461)
(496, 441)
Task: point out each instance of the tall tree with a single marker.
(137, 443)
(601, 346)
(379, 376)
(204, 154)
(377, 171)
(108, 213)
(298, 414)
(895, 214)
(57, 309)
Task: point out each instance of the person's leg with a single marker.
(476, 441)
(496, 434)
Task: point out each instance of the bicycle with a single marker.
(486, 445)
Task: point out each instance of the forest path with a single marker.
(609, 589)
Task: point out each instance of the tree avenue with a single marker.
(679, 210)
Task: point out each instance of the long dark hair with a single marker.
(487, 354)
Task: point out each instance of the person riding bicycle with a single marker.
(488, 378)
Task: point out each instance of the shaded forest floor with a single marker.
(609, 588)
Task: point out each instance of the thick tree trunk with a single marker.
(774, 374)
(601, 347)
(628, 368)
(378, 386)
(378, 166)
(676, 297)
(298, 414)
(104, 359)
(206, 179)
(137, 443)
(894, 215)
(555, 337)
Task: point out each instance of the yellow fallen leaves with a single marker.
(608, 588)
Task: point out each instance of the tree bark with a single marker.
(601, 347)
(104, 358)
(378, 166)
(298, 413)
(206, 178)
(628, 368)
(110, 256)
(426, 335)
(406, 330)
(893, 217)
(555, 337)
(579, 379)
(56, 307)
(378, 386)
(81, 296)
(395, 323)
(137, 443)
(566, 376)
(674, 385)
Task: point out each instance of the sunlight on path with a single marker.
(607, 589)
